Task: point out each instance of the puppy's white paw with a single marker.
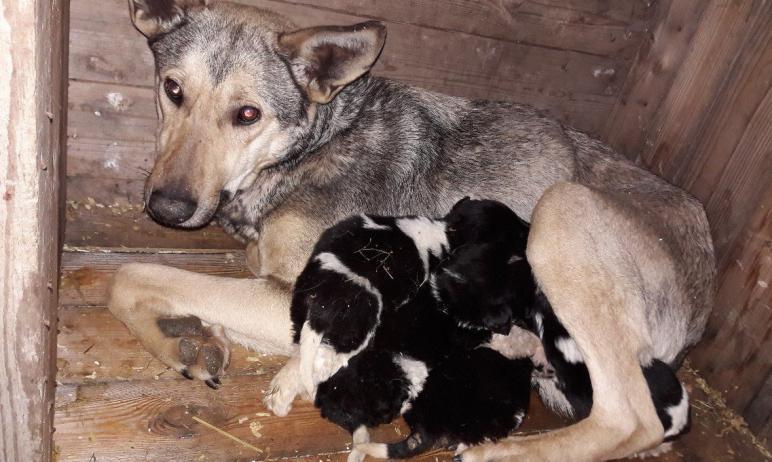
(355, 456)
(279, 399)
(283, 389)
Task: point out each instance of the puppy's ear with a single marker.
(460, 202)
(455, 209)
(153, 17)
(326, 59)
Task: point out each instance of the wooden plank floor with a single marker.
(116, 403)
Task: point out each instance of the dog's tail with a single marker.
(411, 446)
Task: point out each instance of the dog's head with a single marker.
(237, 91)
(486, 280)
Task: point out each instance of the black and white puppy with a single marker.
(472, 396)
(367, 266)
(569, 390)
(373, 334)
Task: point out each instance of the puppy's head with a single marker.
(486, 280)
(474, 221)
(486, 286)
(237, 91)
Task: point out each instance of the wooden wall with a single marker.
(568, 57)
(32, 122)
(697, 109)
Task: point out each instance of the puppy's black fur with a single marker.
(477, 395)
(335, 305)
(435, 321)
(369, 391)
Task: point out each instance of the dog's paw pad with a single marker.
(196, 351)
(213, 358)
(188, 350)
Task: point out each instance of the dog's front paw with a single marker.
(196, 351)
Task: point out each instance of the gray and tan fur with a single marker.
(625, 258)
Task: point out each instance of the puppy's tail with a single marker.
(411, 446)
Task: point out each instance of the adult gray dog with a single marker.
(279, 133)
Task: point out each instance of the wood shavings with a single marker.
(255, 428)
(226, 434)
(727, 416)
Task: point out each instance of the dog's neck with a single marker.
(329, 120)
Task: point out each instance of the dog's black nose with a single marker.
(170, 208)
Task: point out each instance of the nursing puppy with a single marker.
(369, 317)
(472, 396)
(569, 390)
(367, 267)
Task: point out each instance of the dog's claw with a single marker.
(212, 384)
(216, 380)
(186, 373)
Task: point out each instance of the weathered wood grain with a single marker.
(85, 274)
(109, 212)
(730, 167)
(449, 23)
(709, 129)
(111, 132)
(33, 93)
(724, 29)
(152, 420)
(610, 30)
(755, 413)
(734, 353)
(656, 66)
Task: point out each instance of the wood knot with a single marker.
(177, 421)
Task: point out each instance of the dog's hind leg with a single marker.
(590, 260)
(175, 314)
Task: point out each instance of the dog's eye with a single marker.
(248, 115)
(173, 90)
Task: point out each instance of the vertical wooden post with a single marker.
(33, 49)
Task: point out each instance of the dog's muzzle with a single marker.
(169, 208)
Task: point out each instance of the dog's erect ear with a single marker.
(326, 59)
(152, 17)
